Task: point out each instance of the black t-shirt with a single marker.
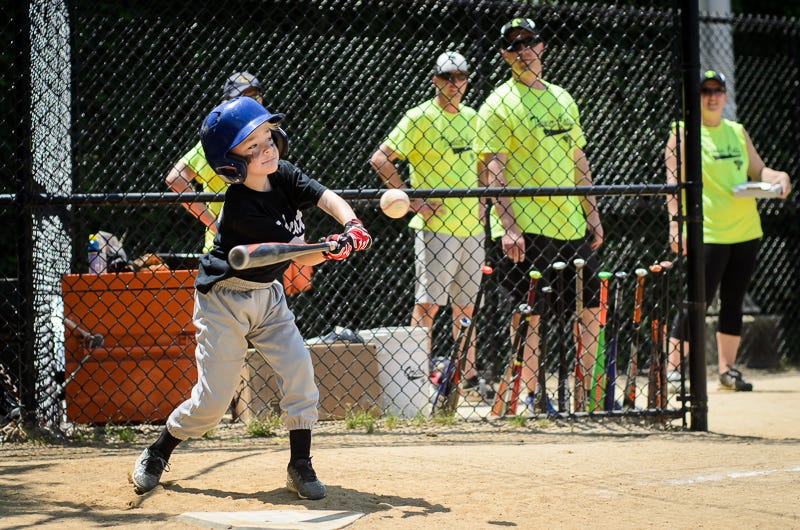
(250, 216)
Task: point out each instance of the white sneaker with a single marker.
(674, 381)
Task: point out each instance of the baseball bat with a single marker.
(525, 312)
(653, 377)
(541, 401)
(261, 254)
(486, 272)
(447, 386)
(501, 397)
(596, 396)
(629, 401)
(507, 397)
(666, 266)
(611, 359)
(563, 369)
(92, 341)
(580, 392)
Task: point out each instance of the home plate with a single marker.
(274, 519)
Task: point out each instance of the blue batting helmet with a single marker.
(227, 125)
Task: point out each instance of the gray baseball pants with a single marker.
(233, 312)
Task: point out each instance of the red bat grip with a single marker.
(637, 306)
(534, 275)
(604, 276)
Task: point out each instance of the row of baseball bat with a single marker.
(594, 384)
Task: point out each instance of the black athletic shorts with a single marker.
(540, 253)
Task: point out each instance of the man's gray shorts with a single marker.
(447, 266)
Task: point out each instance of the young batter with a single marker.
(263, 204)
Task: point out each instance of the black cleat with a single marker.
(301, 479)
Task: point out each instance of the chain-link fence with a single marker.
(117, 94)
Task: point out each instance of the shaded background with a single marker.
(142, 76)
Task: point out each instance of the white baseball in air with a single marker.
(394, 203)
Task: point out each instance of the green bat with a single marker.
(597, 393)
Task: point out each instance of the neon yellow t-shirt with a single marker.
(437, 146)
(726, 219)
(195, 159)
(538, 131)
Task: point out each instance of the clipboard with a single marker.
(758, 190)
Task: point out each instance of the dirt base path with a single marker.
(595, 474)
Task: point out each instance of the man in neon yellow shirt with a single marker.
(435, 138)
(529, 135)
(731, 225)
(193, 166)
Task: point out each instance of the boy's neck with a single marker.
(258, 182)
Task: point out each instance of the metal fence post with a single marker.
(24, 180)
(690, 22)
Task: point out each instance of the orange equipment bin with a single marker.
(146, 366)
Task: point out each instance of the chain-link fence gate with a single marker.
(114, 99)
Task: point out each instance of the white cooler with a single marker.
(402, 354)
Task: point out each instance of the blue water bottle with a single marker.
(94, 255)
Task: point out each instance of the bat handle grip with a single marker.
(334, 243)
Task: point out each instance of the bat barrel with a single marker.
(239, 257)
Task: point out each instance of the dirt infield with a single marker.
(744, 473)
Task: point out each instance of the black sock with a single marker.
(165, 444)
(299, 445)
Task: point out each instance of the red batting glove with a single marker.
(342, 251)
(357, 234)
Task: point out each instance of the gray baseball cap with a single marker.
(238, 83)
(450, 62)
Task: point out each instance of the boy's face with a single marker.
(260, 151)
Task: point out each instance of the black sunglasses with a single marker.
(450, 76)
(712, 91)
(520, 44)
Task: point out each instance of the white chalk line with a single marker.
(718, 477)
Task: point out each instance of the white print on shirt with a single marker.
(296, 227)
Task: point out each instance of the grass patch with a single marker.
(264, 428)
(122, 433)
(360, 418)
(390, 421)
(209, 435)
(518, 421)
(444, 417)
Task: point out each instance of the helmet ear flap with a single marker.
(235, 172)
(281, 140)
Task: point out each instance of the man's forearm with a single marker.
(389, 175)
(492, 175)
(201, 211)
(590, 210)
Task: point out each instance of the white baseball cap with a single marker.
(450, 62)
